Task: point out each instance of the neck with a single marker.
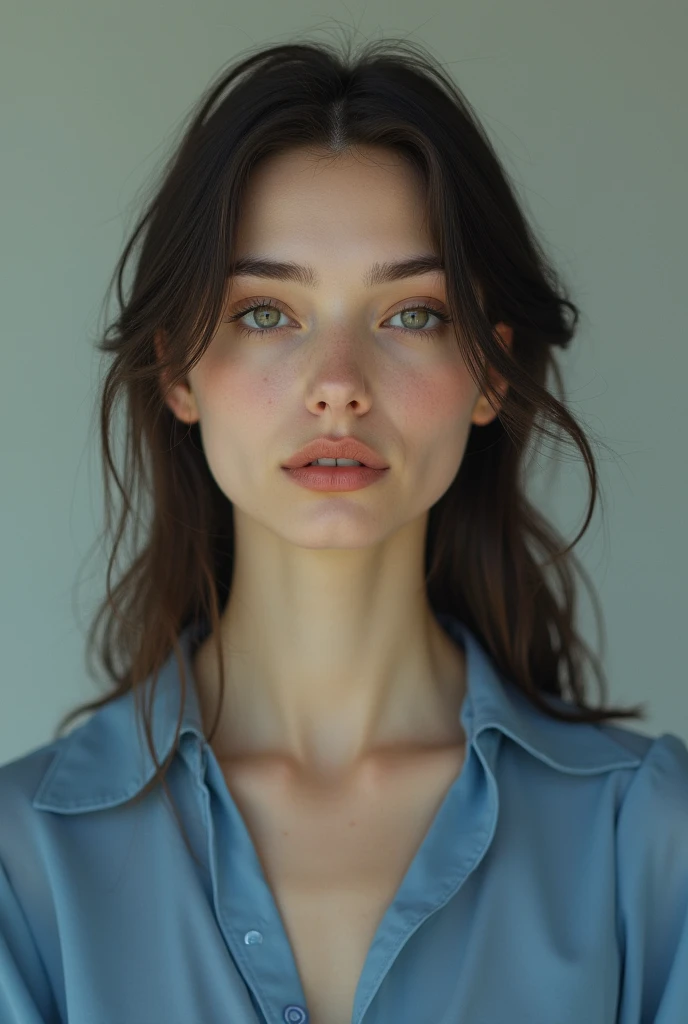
(331, 657)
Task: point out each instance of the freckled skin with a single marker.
(332, 652)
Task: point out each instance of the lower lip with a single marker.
(335, 478)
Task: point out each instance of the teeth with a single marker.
(335, 462)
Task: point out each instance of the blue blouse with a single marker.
(550, 888)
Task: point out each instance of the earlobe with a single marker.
(182, 404)
(180, 399)
(484, 412)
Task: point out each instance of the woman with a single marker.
(350, 678)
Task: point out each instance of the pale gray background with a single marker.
(585, 103)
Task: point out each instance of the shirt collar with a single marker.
(106, 761)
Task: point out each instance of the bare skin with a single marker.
(340, 729)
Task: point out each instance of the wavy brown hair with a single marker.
(491, 558)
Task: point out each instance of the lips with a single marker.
(336, 448)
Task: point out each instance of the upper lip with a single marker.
(336, 448)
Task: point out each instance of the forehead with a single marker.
(308, 216)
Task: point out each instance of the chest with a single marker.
(334, 859)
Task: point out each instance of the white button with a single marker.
(295, 1014)
(251, 938)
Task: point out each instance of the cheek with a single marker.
(432, 413)
(239, 413)
(434, 405)
(237, 397)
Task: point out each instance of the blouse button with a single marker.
(295, 1014)
(253, 937)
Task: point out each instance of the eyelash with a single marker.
(443, 317)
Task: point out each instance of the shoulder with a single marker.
(655, 803)
(652, 885)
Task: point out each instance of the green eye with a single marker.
(268, 304)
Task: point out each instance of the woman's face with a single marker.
(335, 356)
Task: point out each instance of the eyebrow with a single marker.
(253, 265)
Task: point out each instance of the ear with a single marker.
(483, 412)
(181, 399)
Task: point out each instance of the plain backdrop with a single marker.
(585, 103)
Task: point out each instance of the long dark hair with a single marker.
(491, 559)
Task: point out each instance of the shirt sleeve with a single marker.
(652, 872)
(25, 993)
